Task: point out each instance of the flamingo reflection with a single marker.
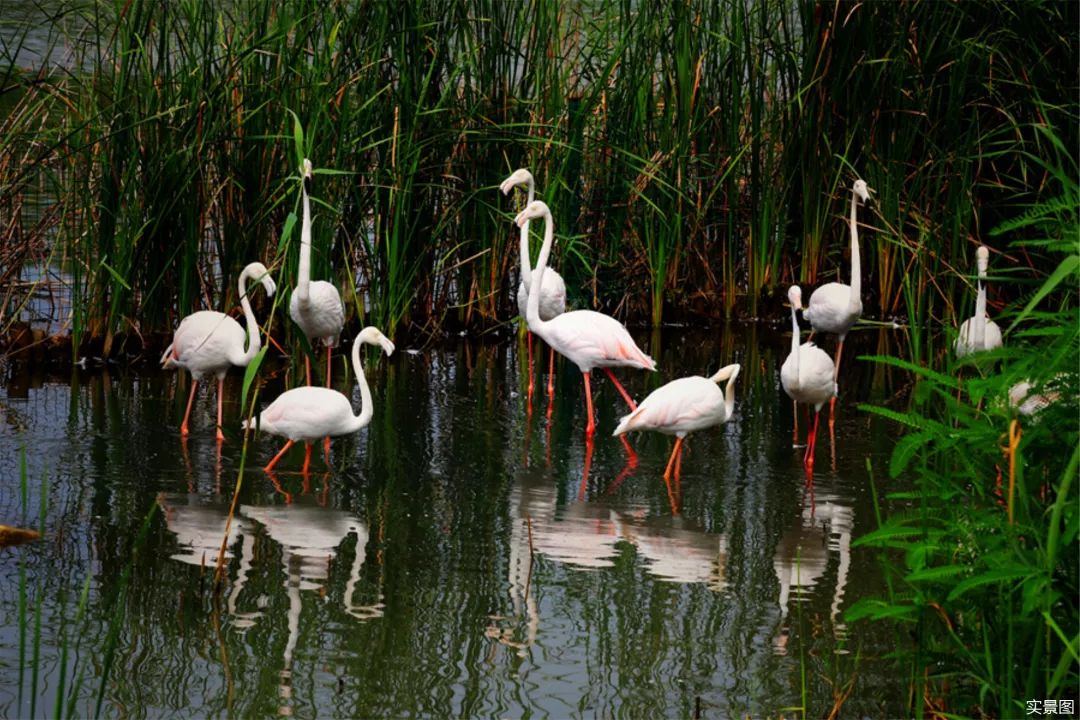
(802, 557)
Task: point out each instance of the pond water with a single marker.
(461, 556)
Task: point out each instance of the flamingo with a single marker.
(208, 342)
(682, 406)
(553, 297)
(309, 413)
(315, 306)
(978, 333)
(588, 339)
(807, 375)
(836, 307)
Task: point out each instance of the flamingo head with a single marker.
(862, 190)
(373, 336)
(794, 296)
(728, 372)
(306, 174)
(535, 209)
(520, 176)
(258, 271)
(982, 259)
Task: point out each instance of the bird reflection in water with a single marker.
(675, 549)
(309, 535)
(803, 555)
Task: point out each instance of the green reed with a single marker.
(984, 565)
(696, 155)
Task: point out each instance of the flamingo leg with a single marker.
(671, 461)
(836, 374)
(551, 374)
(272, 463)
(631, 456)
(307, 368)
(811, 443)
(678, 469)
(590, 429)
(329, 350)
(220, 394)
(530, 353)
(622, 391)
(795, 432)
(588, 465)
(307, 457)
(187, 413)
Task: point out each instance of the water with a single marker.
(399, 583)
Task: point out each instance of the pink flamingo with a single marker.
(588, 339)
(683, 406)
(807, 375)
(208, 342)
(553, 297)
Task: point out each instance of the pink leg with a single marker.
(589, 447)
(811, 443)
(190, 401)
(220, 394)
(307, 368)
(795, 432)
(272, 463)
(307, 457)
(836, 375)
(671, 461)
(326, 440)
(328, 352)
(591, 427)
(551, 373)
(622, 391)
(530, 351)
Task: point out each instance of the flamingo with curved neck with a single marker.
(587, 338)
(553, 296)
(305, 414)
(207, 342)
(682, 406)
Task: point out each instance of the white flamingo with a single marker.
(978, 333)
(207, 342)
(682, 406)
(305, 414)
(836, 307)
(807, 374)
(314, 305)
(553, 295)
(588, 339)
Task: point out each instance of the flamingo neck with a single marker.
(979, 329)
(532, 314)
(855, 304)
(254, 343)
(303, 277)
(795, 332)
(526, 269)
(366, 410)
(729, 395)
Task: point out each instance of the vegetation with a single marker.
(697, 155)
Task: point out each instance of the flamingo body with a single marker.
(680, 407)
(591, 339)
(206, 343)
(833, 309)
(552, 296)
(322, 316)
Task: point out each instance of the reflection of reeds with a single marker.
(695, 151)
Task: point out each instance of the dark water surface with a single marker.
(399, 582)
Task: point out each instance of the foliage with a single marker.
(986, 559)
